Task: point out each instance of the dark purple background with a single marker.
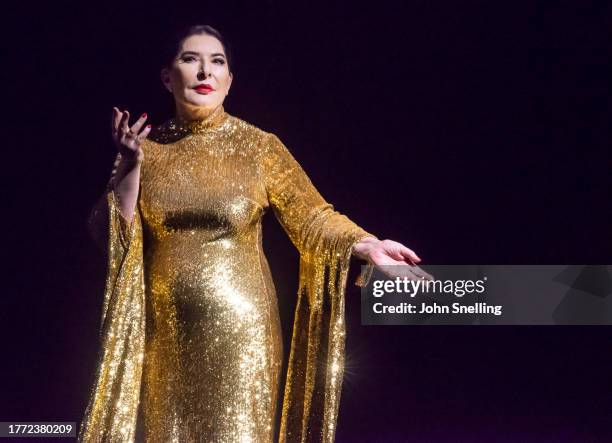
(473, 132)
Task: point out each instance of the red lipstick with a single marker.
(203, 88)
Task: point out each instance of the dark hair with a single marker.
(172, 45)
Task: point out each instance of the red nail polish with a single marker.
(148, 126)
(144, 114)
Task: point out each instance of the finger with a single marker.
(136, 126)
(395, 254)
(404, 271)
(421, 273)
(143, 134)
(116, 119)
(410, 254)
(392, 249)
(124, 122)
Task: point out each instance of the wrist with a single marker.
(130, 162)
(362, 248)
(127, 165)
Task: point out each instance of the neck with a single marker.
(187, 113)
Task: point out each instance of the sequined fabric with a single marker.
(191, 346)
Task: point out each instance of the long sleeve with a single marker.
(324, 238)
(97, 222)
(113, 403)
(296, 202)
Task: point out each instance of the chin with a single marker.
(203, 104)
(201, 101)
(207, 99)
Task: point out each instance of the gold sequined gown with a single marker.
(191, 346)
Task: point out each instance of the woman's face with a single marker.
(199, 77)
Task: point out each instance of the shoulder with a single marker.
(237, 126)
(264, 141)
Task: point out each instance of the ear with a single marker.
(165, 78)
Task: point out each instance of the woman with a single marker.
(191, 345)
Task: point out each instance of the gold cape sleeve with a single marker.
(111, 412)
(324, 238)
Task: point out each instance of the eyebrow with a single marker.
(216, 54)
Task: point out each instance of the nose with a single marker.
(204, 71)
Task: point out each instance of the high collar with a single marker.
(176, 128)
(203, 124)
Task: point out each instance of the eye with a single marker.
(188, 58)
(219, 61)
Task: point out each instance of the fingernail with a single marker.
(148, 126)
(144, 114)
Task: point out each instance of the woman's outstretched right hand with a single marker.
(128, 139)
